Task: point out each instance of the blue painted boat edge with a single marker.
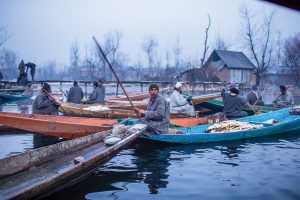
(289, 123)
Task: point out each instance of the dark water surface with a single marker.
(258, 168)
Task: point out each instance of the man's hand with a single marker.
(140, 112)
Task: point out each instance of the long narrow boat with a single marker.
(42, 171)
(125, 105)
(217, 106)
(82, 110)
(7, 96)
(198, 134)
(60, 126)
(135, 96)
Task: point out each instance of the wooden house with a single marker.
(231, 66)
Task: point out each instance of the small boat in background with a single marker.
(218, 106)
(40, 172)
(59, 126)
(285, 121)
(7, 96)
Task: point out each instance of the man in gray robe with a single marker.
(96, 96)
(285, 100)
(157, 114)
(179, 104)
(43, 104)
(233, 104)
(75, 94)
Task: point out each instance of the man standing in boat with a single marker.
(253, 97)
(75, 94)
(233, 103)
(285, 100)
(179, 104)
(96, 96)
(157, 114)
(44, 104)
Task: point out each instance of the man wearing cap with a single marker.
(285, 100)
(157, 114)
(233, 104)
(75, 94)
(179, 104)
(43, 104)
(253, 97)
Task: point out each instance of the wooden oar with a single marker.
(113, 71)
(56, 102)
(260, 96)
(63, 92)
(255, 112)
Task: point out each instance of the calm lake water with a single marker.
(260, 168)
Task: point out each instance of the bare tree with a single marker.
(258, 38)
(8, 63)
(75, 59)
(177, 49)
(292, 56)
(149, 47)
(220, 43)
(206, 47)
(4, 36)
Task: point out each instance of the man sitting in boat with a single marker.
(157, 114)
(285, 100)
(44, 104)
(75, 94)
(96, 96)
(253, 97)
(29, 90)
(179, 104)
(233, 103)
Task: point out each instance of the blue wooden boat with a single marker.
(197, 134)
(7, 96)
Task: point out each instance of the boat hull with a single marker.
(197, 134)
(59, 126)
(56, 166)
(13, 96)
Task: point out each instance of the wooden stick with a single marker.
(260, 96)
(255, 112)
(63, 92)
(113, 71)
(55, 101)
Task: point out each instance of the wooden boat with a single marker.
(7, 96)
(60, 126)
(217, 106)
(79, 111)
(122, 104)
(197, 134)
(204, 98)
(45, 170)
(135, 96)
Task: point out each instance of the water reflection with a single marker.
(40, 140)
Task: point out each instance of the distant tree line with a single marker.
(259, 39)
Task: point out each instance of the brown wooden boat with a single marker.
(122, 104)
(135, 96)
(79, 111)
(45, 170)
(60, 126)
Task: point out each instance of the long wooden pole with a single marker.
(260, 96)
(55, 101)
(113, 71)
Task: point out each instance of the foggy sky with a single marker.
(44, 30)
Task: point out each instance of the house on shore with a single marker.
(221, 65)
